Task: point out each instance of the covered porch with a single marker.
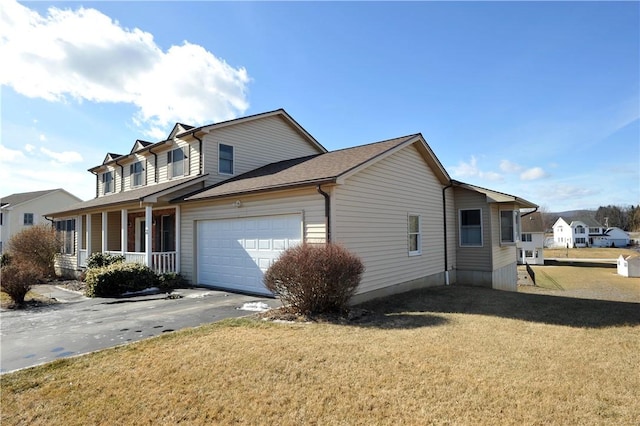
(148, 236)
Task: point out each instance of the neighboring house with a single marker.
(629, 266)
(610, 237)
(531, 244)
(587, 232)
(576, 233)
(23, 210)
(219, 203)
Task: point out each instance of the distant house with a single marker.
(530, 246)
(22, 210)
(610, 237)
(629, 266)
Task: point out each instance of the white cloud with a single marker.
(10, 155)
(42, 138)
(509, 167)
(471, 170)
(65, 157)
(533, 174)
(29, 148)
(83, 54)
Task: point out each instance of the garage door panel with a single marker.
(235, 253)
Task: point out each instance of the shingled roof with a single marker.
(23, 197)
(304, 171)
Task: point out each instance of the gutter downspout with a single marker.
(444, 226)
(155, 166)
(200, 163)
(97, 184)
(121, 176)
(327, 210)
(533, 211)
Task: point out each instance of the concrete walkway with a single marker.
(78, 325)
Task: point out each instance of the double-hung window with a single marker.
(28, 219)
(225, 159)
(66, 234)
(177, 162)
(471, 228)
(136, 170)
(107, 182)
(414, 235)
(509, 226)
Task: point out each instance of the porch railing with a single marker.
(161, 262)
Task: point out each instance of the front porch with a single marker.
(147, 236)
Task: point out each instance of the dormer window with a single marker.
(136, 170)
(177, 162)
(107, 182)
(225, 159)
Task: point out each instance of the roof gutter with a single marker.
(533, 211)
(444, 227)
(327, 211)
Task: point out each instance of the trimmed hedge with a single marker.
(119, 278)
(99, 259)
(313, 279)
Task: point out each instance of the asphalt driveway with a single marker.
(78, 325)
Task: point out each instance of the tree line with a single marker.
(627, 218)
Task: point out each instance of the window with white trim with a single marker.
(66, 230)
(509, 226)
(177, 162)
(136, 171)
(27, 219)
(526, 238)
(414, 235)
(471, 227)
(107, 182)
(225, 159)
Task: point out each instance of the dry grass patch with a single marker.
(32, 299)
(439, 356)
(588, 253)
(585, 282)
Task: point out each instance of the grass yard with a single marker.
(584, 282)
(448, 355)
(588, 253)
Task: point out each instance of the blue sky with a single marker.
(536, 99)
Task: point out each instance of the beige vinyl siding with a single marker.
(96, 235)
(305, 201)
(371, 218)
(255, 144)
(113, 231)
(473, 258)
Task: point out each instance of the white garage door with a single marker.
(235, 253)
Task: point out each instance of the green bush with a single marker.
(170, 281)
(99, 259)
(312, 279)
(17, 280)
(119, 278)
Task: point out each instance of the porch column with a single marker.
(178, 239)
(88, 234)
(148, 224)
(78, 235)
(123, 231)
(105, 219)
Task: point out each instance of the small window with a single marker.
(415, 235)
(225, 159)
(526, 237)
(177, 163)
(509, 226)
(28, 219)
(136, 170)
(579, 229)
(107, 182)
(471, 228)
